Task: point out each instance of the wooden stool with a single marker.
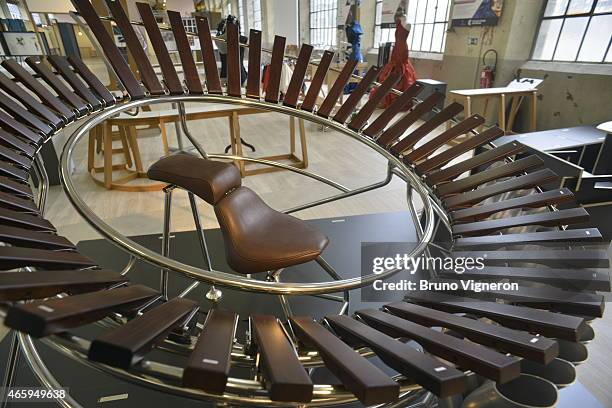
(101, 139)
(294, 159)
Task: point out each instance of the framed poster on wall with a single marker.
(22, 44)
(468, 13)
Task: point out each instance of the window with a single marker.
(575, 31)
(254, 14)
(323, 23)
(429, 20)
(250, 15)
(190, 24)
(14, 10)
(241, 17)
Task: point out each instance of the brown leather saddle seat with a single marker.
(257, 238)
(208, 179)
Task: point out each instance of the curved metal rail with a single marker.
(223, 278)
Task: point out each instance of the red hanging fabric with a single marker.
(399, 62)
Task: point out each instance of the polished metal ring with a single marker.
(223, 278)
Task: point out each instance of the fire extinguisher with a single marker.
(487, 75)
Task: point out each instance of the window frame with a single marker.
(333, 13)
(563, 17)
(378, 26)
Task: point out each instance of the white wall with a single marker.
(285, 19)
(51, 6)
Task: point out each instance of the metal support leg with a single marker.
(286, 306)
(11, 369)
(43, 182)
(179, 135)
(284, 302)
(163, 285)
(213, 293)
(345, 194)
(185, 128)
(332, 272)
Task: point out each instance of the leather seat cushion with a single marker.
(258, 238)
(208, 179)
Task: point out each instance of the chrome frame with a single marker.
(156, 375)
(164, 377)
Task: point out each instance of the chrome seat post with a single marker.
(213, 293)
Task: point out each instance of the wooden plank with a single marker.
(213, 83)
(253, 89)
(140, 57)
(126, 345)
(559, 300)
(15, 188)
(399, 104)
(351, 102)
(297, 78)
(286, 378)
(24, 116)
(482, 360)
(537, 200)
(28, 100)
(33, 239)
(434, 375)
(50, 100)
(14, 157)
(208, 366)
(447, 155)
(22, 220)
(317, 82)
(190, 71)
(518, 317)
(122, 69)
(519, 343)
(461, 128)
(63, 68)
(517, 183)
(438, 119)
(397, 129)
(38, 285)
(14, 142)
(548, 219)
(15, 172)
(565, 258)
(585, 279)
(15, 202)
(276, 69)
(369, 384)
(58, 86)
(92, 80)
(373, 102)
(493, 173)
(42, 318)
(492, 241)
(166, 65)
(18, 257)
(234, 79)
(337, 89)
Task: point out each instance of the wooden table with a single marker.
(126, 133)
(467, 96)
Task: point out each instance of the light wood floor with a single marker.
(332, 155)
